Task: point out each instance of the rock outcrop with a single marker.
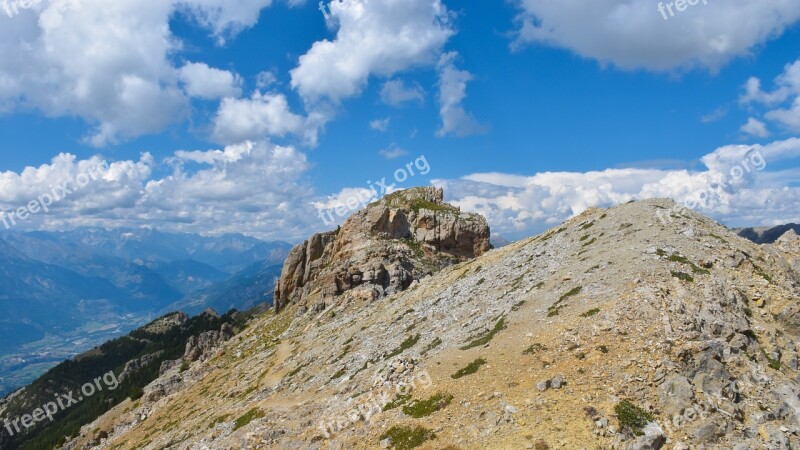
(381, 250)
(200, 347)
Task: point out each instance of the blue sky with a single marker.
(253, 115)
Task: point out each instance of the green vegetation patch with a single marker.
(434, 343)
(483, 340)
(406, 437)
(773, 364)
(553, 310)
(297, 370)
(761, 272)
(398, 401)
(470, 369)
(631, 417)
(591, 312)
(405, 345)
(422, 408)
(534, 348)
(682, 276)
(250, 416)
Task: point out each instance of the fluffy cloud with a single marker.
(783, 103)
(633, 33)
(395, 93)
(108, 63)
(452, 92)
(205, 82)
(254, 187)
(738, 187)
(260, 116)
(380, 124)
(755, 127)
(226, 18)
(373, 38)
(263, 190)
(392, 152)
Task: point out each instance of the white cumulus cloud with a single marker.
(110, 63)
(261, 116)
(452, 92)
(379, 38)
(633, 34)
(740, 187)
(209, 83)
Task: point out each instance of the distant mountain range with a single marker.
(767, 235)
(63, 292)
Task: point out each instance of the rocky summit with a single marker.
(381, 250)
(644, 326)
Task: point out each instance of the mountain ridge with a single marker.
(613, 329)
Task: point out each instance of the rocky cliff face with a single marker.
(381, 250)
(614, 330)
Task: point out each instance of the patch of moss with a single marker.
(221, 419)
(405, 345)
(345, 351)
(418, 203)
(398, 401)
(773, 364)
(631, 417)
(422, 408)
(751, 334)
(481, 281)
(483, 340)
(603, 349)
(470, 369)
(250, 416)
(534, 348)
(591, 312)
(434, 343)
(573, 292)
(586, 244)
(297, 370)
(682, 276)
(683, 260)
(764, 275)
(553, 310)
(406, 437)
(339, 374)
(518, 305)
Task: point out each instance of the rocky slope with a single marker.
(613, 330)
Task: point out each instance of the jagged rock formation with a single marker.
(199, 347)
(138, 364)
(381, 250)
(615, 330)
